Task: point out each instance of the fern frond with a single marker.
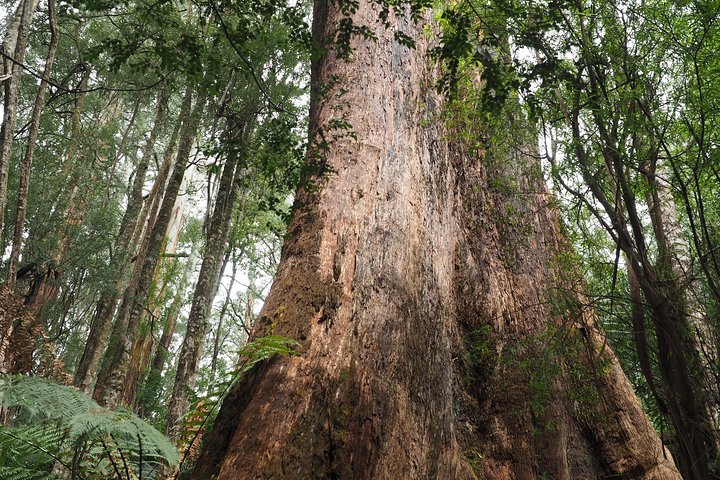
(41, 398)
(29, 445)
(55, 424)
(264, 348)
(18, 473)
(131, 434)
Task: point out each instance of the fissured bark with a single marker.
(441, 328)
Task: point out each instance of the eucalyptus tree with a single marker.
(14, 46)
(621, 97)
(418, 282)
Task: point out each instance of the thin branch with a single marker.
(73, 90)
(247, 63)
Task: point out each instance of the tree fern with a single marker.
(130, 433)
(251, 354)
(19, 473)
(27, 449)
(40, 398)
(54, 427)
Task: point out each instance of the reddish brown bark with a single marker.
(441, 331)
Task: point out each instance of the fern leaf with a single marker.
(41, 398)
(131, 434)
(19, 473)
(54, 423)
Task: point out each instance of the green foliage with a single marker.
(251, 354)
(54, 425)
(480, 355)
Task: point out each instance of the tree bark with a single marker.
(111, 393)
(207, 284)
(102, 320)
(26, 164)
(442, 335)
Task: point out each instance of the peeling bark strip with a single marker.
(441, 336)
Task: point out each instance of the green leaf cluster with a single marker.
(56, 430)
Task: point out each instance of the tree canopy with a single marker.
(156, 155)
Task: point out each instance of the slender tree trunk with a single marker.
(148, 213)
(26, 164)
(142, 349)
(110, 392)
(12, 91)
(142, 230)
(7, 325)
(206, 288)
(675, 258)
(72, 169)
(152, 386)
(637, 312)
(123, 142)
(442, 335)
(9, 42)
(679, 364)
(16, 28)
(223, 311)
(45, 282)
(102, 320)
(682, 325)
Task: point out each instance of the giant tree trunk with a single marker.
(440, 338)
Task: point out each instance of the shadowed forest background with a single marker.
(493, 228)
